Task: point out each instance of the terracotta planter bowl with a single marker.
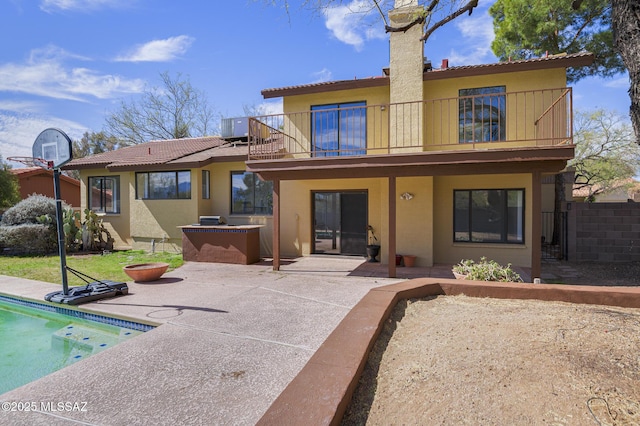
(142, 272)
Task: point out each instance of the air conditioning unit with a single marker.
(235, 128)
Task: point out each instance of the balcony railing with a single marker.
(485, 121)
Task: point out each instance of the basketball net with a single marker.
(33, 162)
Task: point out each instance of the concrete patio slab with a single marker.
(231, 338)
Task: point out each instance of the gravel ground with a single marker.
(456, 360)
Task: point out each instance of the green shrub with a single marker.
(29, 210)
(28, 238)
(486, 270)
(30, 227)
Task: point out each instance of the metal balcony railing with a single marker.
(484, 121)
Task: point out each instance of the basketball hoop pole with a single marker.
(61, 242)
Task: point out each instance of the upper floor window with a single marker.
(482, 113)
(339, 129)
(489, 216)
(163, 185)
(104, 194)
(250, 195)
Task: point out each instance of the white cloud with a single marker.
(271, 107)
(476, 33)
(618, 83)
(82, 5)
(158, 50)
(348, 23)
(45, 74)
(321, 76)
(19, 131)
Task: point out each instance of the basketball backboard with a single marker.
(53, 145)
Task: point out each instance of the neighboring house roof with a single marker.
(546, 62)
(164, 154)
(624, 189)
(27, 172)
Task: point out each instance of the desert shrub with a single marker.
(486, 270)
(28, 238)
(41, 236)
(29, 210)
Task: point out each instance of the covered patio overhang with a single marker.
(534, 160)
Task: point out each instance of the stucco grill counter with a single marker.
(221, 243)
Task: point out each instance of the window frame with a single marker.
(206, 184)
(252, 211)
(507, 225)
(338, 117)
(473, 129)
(148, 184)
(115, 198)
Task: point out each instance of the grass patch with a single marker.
(100, 266)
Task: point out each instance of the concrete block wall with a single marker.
(604, 232)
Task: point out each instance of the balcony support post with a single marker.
(392, 227)
(536, 224)
(276, 225)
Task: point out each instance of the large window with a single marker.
(163, 185)
(482, 114)
(250, 195)
(104, 194)
(489, 216)
(339, 129)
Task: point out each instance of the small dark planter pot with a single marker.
(372, 251)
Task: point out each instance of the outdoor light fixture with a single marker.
(406, 196)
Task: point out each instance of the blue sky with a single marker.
(69, 63)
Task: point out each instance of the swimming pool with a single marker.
(38, 339)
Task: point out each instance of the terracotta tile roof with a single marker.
(26, 172)
(545, 62)
(163, 154)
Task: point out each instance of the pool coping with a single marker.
(322, 390)
(82, 313)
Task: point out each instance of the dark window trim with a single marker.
(231, 203)
(505, 229)
(501, 121)
(350, 105)
(103, 202)
(177, 197)
(206, 184)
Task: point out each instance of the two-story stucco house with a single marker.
(443, 163)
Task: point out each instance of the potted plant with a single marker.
(485, 270)
(373, 248)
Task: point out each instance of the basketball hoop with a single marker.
(33, 162)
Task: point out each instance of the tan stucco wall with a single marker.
(142, 221)
(522, 109)
(414, 217)
(117, 224)
(449, 252)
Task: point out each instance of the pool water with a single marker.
(34, 342)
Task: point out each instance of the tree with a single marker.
(606, 152)
(525, 29)
(174, 111)
(9, 187)
(626, 30)
(436, 12)
(90, 144)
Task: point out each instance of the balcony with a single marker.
(484, 121)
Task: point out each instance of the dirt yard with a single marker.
(456, 360)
